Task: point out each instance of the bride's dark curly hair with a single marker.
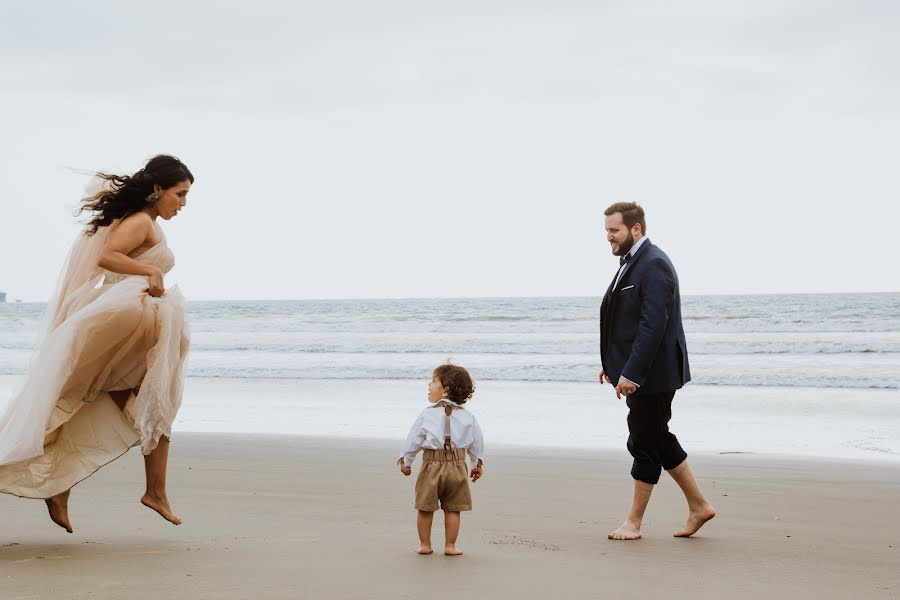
(124, 195)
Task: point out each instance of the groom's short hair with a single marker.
(631, 213)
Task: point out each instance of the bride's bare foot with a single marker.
(161, 505)
(628, 531)
(452, 550)
(695, 520)
(425, 549)
(58, 506)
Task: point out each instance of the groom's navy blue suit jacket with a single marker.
(641, 337)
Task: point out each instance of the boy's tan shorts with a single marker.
(443, 478)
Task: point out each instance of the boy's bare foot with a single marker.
(425, 549)
(452, 550)
(58, 506)
(628, 531)
(160, 505)
(695, 521)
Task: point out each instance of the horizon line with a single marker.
(373, 298)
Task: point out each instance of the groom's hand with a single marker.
(625, 388)
(603, 376)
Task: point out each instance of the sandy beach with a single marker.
(291, 517)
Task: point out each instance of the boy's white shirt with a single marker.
(428, 432)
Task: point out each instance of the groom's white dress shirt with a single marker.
(428, 432)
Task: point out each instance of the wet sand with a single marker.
(292, 517)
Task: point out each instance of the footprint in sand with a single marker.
(515, 540)
(25, 560)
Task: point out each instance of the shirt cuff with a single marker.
(637, 385)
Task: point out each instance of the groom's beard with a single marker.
(626, 246)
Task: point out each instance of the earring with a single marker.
(153, 197)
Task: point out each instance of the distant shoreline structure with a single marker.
(2, 296)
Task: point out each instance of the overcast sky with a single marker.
(396, 149)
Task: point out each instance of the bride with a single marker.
(109, 372)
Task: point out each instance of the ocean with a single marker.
(791, 374)
(840, 340)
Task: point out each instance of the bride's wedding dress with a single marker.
(104, 333)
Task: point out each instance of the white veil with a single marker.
(23, 420)
(80, 272)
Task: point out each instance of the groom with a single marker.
(644, 354)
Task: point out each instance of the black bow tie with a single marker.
(624, 259)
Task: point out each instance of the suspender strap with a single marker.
(447, 411)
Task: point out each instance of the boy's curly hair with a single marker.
(457, 380)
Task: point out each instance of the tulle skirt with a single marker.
(63, 425)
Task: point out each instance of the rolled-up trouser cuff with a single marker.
(646, 472)
(649, 472)
(672, 462)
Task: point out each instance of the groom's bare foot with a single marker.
(452, 550)
(58, 506)
(161, 505)
(696, 520)
(425, 549)
(628, 531)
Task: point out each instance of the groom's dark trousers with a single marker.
(642, 339)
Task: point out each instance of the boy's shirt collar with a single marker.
(447, 401)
